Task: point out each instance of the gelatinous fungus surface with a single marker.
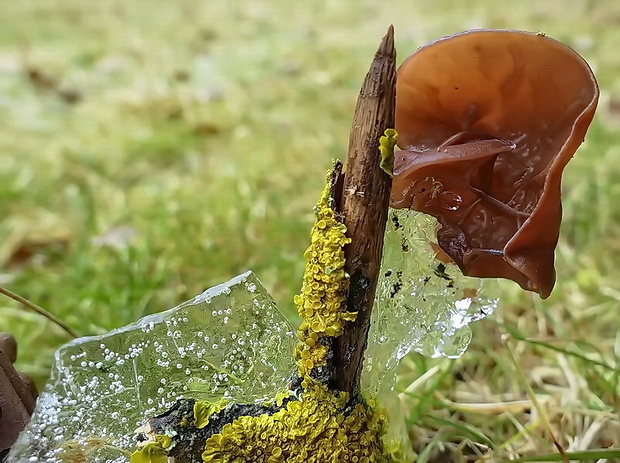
(229, 342)
(487, 120)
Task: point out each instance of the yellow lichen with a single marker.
(324, 288)
(150, 453)
(322, 426)
(203, 410)
(313, 429)
(165, 442)
(154, 451)
(281, 397)
(386, 148)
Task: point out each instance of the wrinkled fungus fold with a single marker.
(487, 121)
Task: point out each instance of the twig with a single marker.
(41, 311)
(364, 206)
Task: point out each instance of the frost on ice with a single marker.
(229, 342)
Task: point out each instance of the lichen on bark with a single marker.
(322, 425)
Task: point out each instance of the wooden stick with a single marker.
(364, 206)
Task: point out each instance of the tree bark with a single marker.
(364, 206)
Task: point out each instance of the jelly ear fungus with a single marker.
(487, 121)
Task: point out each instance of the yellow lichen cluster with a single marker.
(314, 429)
(324, 288)
(386, 147)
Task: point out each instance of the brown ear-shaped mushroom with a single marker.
(487, 120)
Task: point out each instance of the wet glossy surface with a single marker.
(487, 121)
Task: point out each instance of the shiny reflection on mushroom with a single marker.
(487, 121)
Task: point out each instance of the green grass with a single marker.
(205, 129)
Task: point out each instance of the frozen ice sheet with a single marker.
(232, 342)
(229, 342)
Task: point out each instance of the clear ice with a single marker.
(231, 341)
(422, 303)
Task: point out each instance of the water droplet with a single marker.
(450, 201)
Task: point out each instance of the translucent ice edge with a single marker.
(229, 342)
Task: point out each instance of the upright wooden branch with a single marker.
(364, 206)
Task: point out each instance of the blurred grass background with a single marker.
(149, 150)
